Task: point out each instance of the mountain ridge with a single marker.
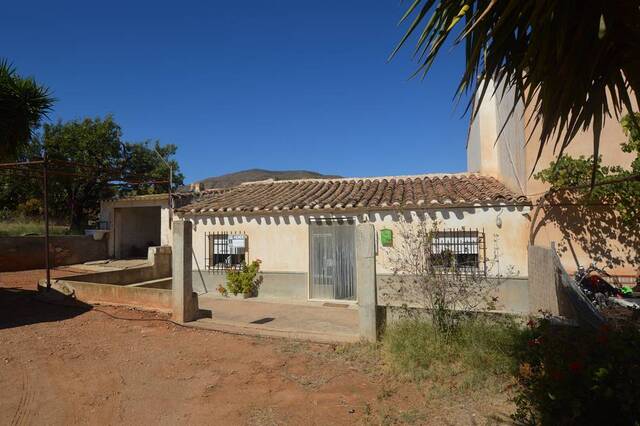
(253, 175)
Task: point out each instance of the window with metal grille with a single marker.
(459, 250)
(224, 251)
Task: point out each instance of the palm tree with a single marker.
(573, 61)
(23, 104)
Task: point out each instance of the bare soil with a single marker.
(115, 365)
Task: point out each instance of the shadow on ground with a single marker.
(19, 307)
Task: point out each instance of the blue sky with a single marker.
(237, 85)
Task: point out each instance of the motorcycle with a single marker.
(595, 283)
(592, 282)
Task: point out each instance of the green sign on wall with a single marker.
(386, 237)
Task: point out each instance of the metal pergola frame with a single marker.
(43, 168)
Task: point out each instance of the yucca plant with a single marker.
(23, 104)
(574, 62)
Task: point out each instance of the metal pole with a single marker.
(170, 186)
(46, 220)
(170, 199)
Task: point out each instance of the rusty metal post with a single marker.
(46, 220)
(170, 186)
(170, 197)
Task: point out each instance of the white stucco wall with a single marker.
(501, 157)
(282, 242)
(506, 246)
(513, 163)
(510, 145)
(474, 159)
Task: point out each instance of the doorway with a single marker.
(136, 229)
(332, 259)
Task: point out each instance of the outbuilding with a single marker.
(135, 223)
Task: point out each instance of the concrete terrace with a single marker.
(302, 321)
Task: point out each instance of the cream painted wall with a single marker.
(582, 247)
(506, 245)
(611, 138)
(282, 242)
(501, 157)
(487, 157)
(474, 160)
(511, 160)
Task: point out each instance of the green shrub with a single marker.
(577, 376)
(243, 281)
(30, 208)
(476, 352)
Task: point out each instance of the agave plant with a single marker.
(574, 62)
(23, 103)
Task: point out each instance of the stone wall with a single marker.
(546, 291)
(22, 253)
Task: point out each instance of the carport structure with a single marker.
(45, 168)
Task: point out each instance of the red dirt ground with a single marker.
(64, 365)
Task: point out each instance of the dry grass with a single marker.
(478, 356)
(263, 416)
(25, 227)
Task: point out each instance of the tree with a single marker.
(17, 190)
(101, 159)
(23, 104)
(92, 142)
(143, 159)
(573, 61)
(623, 194)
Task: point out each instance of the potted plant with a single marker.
(244, 281)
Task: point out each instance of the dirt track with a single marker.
(61, 365)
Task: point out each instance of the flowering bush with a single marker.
(243, 281)
(30, 208)
(223, 290)
(576, 376)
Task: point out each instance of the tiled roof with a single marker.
(146, 197)
(356, 193)
(153, 197)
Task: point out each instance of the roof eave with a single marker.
(437, 206)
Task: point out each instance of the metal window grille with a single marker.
(225, 251)
(459, 250)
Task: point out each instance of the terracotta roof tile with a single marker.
(359, 193)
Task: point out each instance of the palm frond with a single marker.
(573, 63)
(23, 104)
